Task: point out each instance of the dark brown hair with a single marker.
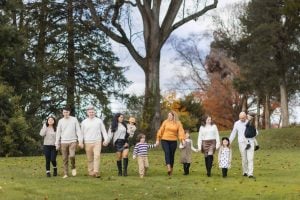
(204, 118)
(140, 136)
(54, 124)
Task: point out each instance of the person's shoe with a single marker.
(169, 173)
(250, 176)
(248, 146)
(96, 175)
(48, 174)
(256, 148)
(74, 172)
(65, 176)
(245, 174)
(54, 171)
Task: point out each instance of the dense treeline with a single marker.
(48, 59)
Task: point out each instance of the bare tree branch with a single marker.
(120, 39)
(195, 15)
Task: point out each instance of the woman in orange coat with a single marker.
(169, 132)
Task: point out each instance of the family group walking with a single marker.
(66, 134)
(92, 135)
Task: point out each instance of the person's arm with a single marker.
(109, 134)
(192, 147)
(58, 134)
(181, 134)
(151, 146)
(217, 137)
(78, 133)
(233, 133)
(230, 157)
(200, 138)
(43, 131)
(135, 151)
(219, 154)
(160, 133)
(104, 133)
(83, 129)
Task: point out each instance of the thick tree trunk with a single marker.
(151, 111)
(40, 59)
(244, 103)
(267, 112)
(284, 103)
(71, 59)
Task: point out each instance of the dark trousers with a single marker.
(169, 148)
(50, 155)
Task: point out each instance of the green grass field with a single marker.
(277, 174)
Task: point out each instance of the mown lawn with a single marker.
(277, 174)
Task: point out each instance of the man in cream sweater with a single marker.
(67, 135)
(246, 154)
(93, 129)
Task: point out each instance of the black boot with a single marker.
(188, 168)
(210, 160)
(224, 172)
(184, 168)
(48, 174)
(119, 164)
(125, 161)
(54, 171)
(207, 165)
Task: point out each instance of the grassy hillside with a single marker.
(277, 174)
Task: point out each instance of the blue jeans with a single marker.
(169, 148)
(50, 155)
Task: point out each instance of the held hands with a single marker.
(126, 144)
(156, 143)
(134, 157)
(81, 145)
(57, 147)
(105, 143)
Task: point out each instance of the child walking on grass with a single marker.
(140, 152)
(186, 153)
(225, 155)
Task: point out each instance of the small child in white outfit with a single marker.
(225, 155)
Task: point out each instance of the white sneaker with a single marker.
(65, 176)
(74, 172)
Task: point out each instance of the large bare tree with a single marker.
(158, 20)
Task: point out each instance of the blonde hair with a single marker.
(175, 116)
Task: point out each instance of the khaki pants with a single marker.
(93, 151)
(247, 157)
(68, 151)
(143, 164)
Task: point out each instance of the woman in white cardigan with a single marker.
(208, 142)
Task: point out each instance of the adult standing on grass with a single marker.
(93, 129)
(208, 142)
(67, 136)
(118, 133)
(169, 132)
(246, 154)
(49, 133)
